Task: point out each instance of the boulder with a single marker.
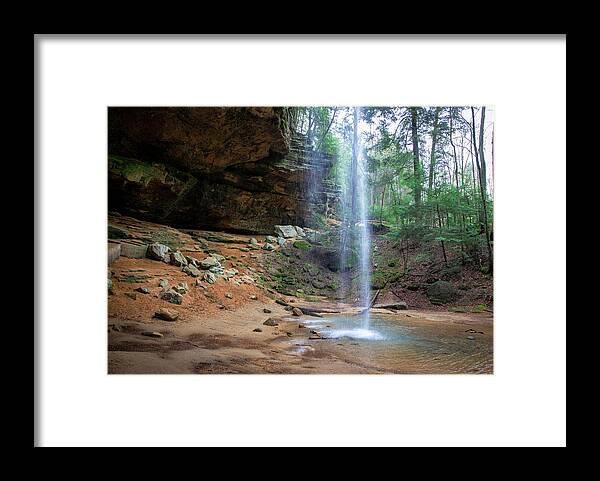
(172, 296)
(271, 321)
(115, 232)
(297, 312)
(210, 277)
(159, 252)
(300, 231)
(270, 239)
(163, 283)
(178, 259)
(280, 241)
(192, 270)
(143, 290)
(441, 292)
(192, 260)
(219, 257)
(181, 288)
(166, 314)
(286, 231)
(268, 247)
(209, 262)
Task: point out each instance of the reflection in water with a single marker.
(399, 344)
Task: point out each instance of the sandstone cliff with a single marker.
(225, 168)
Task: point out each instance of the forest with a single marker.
(429, 169)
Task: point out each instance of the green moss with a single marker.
(302, 245)
(381, 278)
(479, 308)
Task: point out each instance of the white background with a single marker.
(522, 404)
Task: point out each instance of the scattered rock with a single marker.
(289, 334)
(229, 295)
(116, 232)
(258, 329)
(192, 260)
(159, 252)
(131, 295)
(210, 277)
(271, 322)
(285, 231)
(281, 302)
(110, 286)
(143, 290)
(267, 311)
(181, 288)
(152, 334)
(192, 270)
(270, 239)
(300, 231)
(268, 247)
(280, 241)
(229, 273)
(166, 314)
(209, 262)
(471, 338)
(163, 283)
(301, 326)
(172, 296)
(288, 308)
(178, 259)
(253, 297)
(253, 241)
(219, 257)
(297, 312)
(441, 292)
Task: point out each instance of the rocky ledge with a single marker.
(238, 169)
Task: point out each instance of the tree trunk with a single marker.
(381, 208)
(433, 145)
(416, 161)
(354, 163)
(480, 171)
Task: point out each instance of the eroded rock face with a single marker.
(217, 168)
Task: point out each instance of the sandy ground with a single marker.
(214, 334)
(215, 329)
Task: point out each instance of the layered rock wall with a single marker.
(220, 168)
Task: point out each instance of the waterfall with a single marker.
(355, 232)
(362, 202)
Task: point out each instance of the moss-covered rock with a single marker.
(302, 245)
(441, 292)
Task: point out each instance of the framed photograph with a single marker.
(247, 244)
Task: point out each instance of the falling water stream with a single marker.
(364, 250)
(355, 235)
